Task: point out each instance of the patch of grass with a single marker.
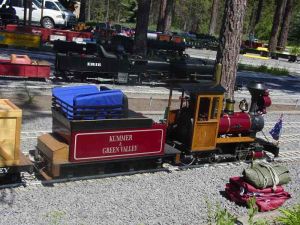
(290, 216)
(264, 69)
(55, 217)
(223, 217)
(295, 50)
(252, 211)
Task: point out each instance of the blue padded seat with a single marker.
(88, 102)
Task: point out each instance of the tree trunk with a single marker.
(213, 17)
(168, 16)
(82, 11)
(195, 25)
(161, 16)
(89, 11)
(140, 40)
(282, 40)
(230, 43)
(107, 11)
(259, 11)
(253, 16)
(276, 23)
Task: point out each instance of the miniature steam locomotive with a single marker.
(92, 60)
(95, 132)
(94, 129)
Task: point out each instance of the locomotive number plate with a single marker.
(123, 78)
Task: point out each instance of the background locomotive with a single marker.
(165, 60)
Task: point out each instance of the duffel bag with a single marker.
(263, 175)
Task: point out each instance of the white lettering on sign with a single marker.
(120, 149)
(116, 138)
(94, 64)
(3, 170)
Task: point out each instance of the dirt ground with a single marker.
(43, 103)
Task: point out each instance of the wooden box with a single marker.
(55, 150)
(10, 129)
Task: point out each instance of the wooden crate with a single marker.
(10, 129)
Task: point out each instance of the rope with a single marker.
(274, 176)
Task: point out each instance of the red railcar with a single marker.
(23, 66)
(48, 35)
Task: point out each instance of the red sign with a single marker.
(107, 145)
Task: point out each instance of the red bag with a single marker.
(240, 182)
(267, 199)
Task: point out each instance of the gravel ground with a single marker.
(180, 197)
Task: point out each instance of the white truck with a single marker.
(53, 15)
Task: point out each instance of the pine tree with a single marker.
(161, 16)
(230, 42)
(213, 17)
(283, 35)
(140, 41)
(280, 4)
(82, 11)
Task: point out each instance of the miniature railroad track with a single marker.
(31, 181)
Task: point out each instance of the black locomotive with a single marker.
(93, 60)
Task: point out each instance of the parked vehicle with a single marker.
(53, 14)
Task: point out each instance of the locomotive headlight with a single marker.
(243, 105)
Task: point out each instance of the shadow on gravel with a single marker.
(7, 196)
(223, 194)
(288, 84)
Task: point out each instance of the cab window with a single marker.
(203, 112)
(214, 108)
(51, 5)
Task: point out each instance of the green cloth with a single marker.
(261, 176)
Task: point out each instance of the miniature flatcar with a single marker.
(23, 66)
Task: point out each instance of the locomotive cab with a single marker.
(202, 128)
(194, 126)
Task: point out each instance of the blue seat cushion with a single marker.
(67, 94)
(101, 104)
(88, 102)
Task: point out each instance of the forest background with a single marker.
(195, 16)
